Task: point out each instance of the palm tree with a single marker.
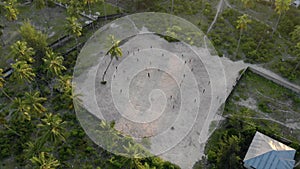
(132, 156)
(22, 52)
(31, 149)
(133, 150)
(147, 166)
(72, 98)
(53, 128)
(28, 107)
(69, 98)
(23, 71)
(281, 6)
(2, 81)
(12, 11)
(74, 8)
(45, 161)
(296, 34)
(73, 27)
(242, 24)
(114, 52)
(126, 162)
(64, 83)
(53, 63)
(109, 136)
(34, 101)
(21, 111)
(172, 34)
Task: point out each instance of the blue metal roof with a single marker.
(267, 153)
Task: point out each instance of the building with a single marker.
(296, 3)
(267, 153)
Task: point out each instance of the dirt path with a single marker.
(251, 16)
(219, 7)
(227, 4)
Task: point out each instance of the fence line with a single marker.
(274, 78)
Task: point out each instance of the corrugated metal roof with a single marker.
(267, 153)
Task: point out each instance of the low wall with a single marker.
(277, 80)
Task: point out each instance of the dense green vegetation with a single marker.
(260, 43)
(270, 38)
(38, 125)
(260, 99)
(228, 145)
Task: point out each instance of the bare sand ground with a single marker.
(167, 92)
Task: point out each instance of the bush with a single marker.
(286, 26)
(248, 45)
(207, 10)
(216, 39)
(264, 107)
(211, 156)
(35, 39)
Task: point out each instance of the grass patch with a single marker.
(266, 103)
